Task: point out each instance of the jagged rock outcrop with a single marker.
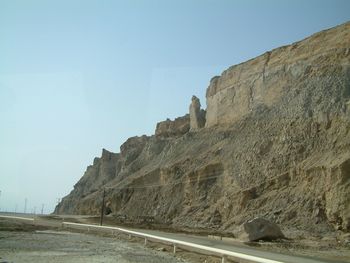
(96, 176)
(197, 115)
(177, 127)
(276, 144)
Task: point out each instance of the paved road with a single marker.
(236, 247)
(201, 240)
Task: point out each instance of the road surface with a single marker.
(201, 240)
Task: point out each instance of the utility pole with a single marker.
(42, 209)
(103, 206)
(0, 196)
(34, 210)
(25, 205)
(16, 208)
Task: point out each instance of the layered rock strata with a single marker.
(267, 79)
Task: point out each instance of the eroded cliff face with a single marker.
(263, 81)
(276, 143)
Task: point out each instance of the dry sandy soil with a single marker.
(24, 242)
(21, 242)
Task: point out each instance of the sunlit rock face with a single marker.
(303, 70)
(275, 144)
(197, 115)
(177, 127)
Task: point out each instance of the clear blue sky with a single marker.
(77, 76)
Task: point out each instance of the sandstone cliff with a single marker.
(276, 143)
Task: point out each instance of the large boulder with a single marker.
(262, 229)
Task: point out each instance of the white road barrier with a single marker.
(176, 243)
(16, 217)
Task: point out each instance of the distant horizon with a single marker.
(78, 77)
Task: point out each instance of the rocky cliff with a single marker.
(274, 142)
(264, 81)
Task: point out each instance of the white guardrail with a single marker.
(17, 217)
(215, 251)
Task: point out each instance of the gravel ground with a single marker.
(31, 245)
